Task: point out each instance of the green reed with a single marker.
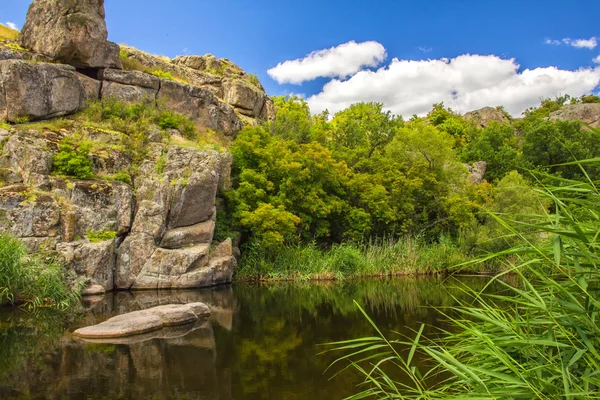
(538, 339)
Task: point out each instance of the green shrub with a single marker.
(101, 236)
(120, 176)
(75, 162)
(253, 80)
(161, 163)
(35, 280)
(129, 63)
(22, 119)
(162, 74)
(171, 120)
(7, 33)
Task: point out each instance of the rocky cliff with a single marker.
(156, 229)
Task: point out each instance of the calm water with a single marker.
(261, 342)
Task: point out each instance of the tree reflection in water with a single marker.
(260, 342)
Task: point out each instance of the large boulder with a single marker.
(486, 115)
(477, 172)
(129, 86)
(176, 269)
(133, 78)
(189, 235)
(168, 246)
(70, 31)
(132, 255)
(246, 99)
(96, 206)
(93, 262)
(28, 155)
(139, 322)
(216, 66)
(28, 215)
(38, 90)
(190, 76)
(200, 105)
(588, 113)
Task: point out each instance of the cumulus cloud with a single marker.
(464, 83)
(597, 59)
(11, 25)
(590, 43)
(337, 62)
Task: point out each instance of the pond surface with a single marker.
(261, 341)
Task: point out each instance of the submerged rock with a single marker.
(139, 322)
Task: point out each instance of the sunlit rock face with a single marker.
(70, 31)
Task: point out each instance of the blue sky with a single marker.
(259, 34)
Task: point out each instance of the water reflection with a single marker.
(260, 342)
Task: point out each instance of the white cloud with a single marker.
(340, 61)
(464, 83)
(425, 49)
(597, 59)
(590, 43)
(11, 25)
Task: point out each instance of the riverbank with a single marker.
(402, 257)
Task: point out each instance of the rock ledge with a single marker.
(139, 322)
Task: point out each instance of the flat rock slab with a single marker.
(144, 321)
(167, 333)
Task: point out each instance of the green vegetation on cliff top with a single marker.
(7, 33)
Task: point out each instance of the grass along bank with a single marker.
(539, 339)
(404, 256)
(34, 280)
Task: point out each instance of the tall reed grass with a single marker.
(32, 280)
(405, 256)
(539, 339)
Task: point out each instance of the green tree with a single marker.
(496, 144)
(548, 144)
(364, 128)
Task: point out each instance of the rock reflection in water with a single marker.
(261, 341)
(176, 362)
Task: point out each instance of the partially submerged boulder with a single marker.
(70, 31)
(139, 322)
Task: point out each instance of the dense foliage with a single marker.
(539, 339)
(34, 280)
(366, 174)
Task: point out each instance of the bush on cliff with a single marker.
(75, 162)
(34, 280)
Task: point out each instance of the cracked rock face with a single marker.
(587, 113)
(70, 31)
(164, 224)
(38, 90)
